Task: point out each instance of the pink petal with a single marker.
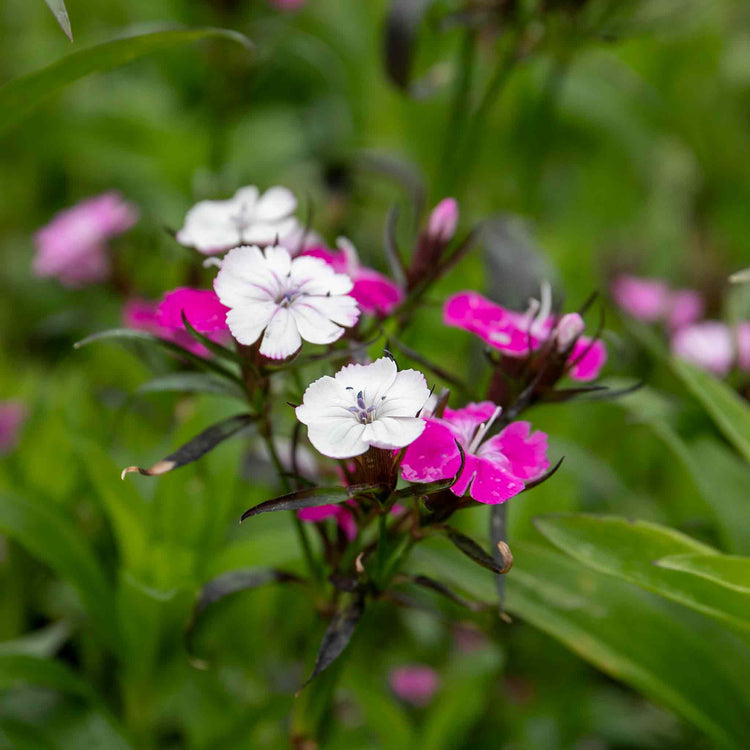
(686, 307)
(526, 452)
(643, 299)
(443, 220)
(707, 345)
(335, 258)
(12, 416)
(414, 683)
(589, 359)
(487, 482)
(201, 307)
(432, 456)
(376, 293)
(464, 422)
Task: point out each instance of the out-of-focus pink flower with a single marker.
(652, 301)
(12, 416)
(415, 683)
(518, 334)
(144, 315)
(686, 307)
(343, 515)
(72, 247)
(494, 470)
(375, 293)
(201, 307)
(443, 220)
(714, 346)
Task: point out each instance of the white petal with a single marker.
(278, 261)
(340, 308)
(323, 398)
(244, 276)
(374, 379)
(312, 324)
(247, 323)
(208, 227)
(406, 396)
(314, 276)
(281, 338)
(339, 439)
(267, 233)
(393, 432)
(275, 204)
(246, 199)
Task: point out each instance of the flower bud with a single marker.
(443, 220)
(569, 328)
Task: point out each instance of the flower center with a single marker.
(362, 412)
(482, 430)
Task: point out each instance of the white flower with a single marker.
(246, 219)
(363, 406)
(284, 300)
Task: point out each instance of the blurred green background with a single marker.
(604, 151)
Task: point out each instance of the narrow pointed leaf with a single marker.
(22, 94)
(236, 581)
(191, 382)
(472, 550)
(446, 591)
(338, 635)
(216, 349)
(312, 498)
(197, 447)
(128, 334)
(402, 25)
(61, 16)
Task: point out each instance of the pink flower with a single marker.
(415, 683)
(342, 514)
(652, 301)
(518, 334)
(714, 346)
(163, 319)
(12, 416)
(494, 470)
(201, 307)
(72, 247)
(375, 293)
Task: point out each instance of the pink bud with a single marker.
(415, 683)
(443, 220)
(569, 328)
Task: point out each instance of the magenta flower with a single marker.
(12, 416)
(415, 683)
(343, 515)
(652, 301)
(72, 247)
(163, 319)
(443, 221)
(494, 469)
(201, 307)
(375, 293)
(518, 334)
(714, 346)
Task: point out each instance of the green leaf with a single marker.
(61, 16)
(631, 549)
(686, 661)
(725, 570)
(216, 349)
(126, 512)
(311, 498)
(191, 382)
(52, 538)
(22, 94)
(197, 447)
(728, 410)
(128, 334)
(21, 669)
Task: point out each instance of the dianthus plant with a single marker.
(373, 453)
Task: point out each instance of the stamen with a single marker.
(482, 430)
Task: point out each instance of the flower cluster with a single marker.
(394, 460)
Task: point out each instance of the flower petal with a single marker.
(275, 204)
(341, 438)
(393, 432)
(281, 338)
(593, 356)
(313, 324)
(492, 484)
(405, 397)
(524, 451)
(374, 379)
(432, 456)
